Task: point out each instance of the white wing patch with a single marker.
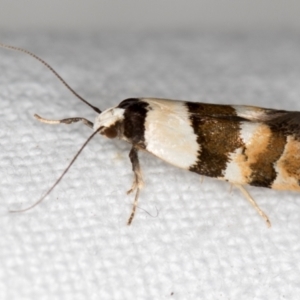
(250, 112)
(169, 133)
(234, 171)
(248, 131)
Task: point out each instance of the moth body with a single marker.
(239, 144)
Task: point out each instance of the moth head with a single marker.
(125, 121)
(109, 122)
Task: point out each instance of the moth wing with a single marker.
(169, 134)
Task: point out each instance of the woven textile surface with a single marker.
(189, 239)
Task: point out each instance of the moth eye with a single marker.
(110, 132)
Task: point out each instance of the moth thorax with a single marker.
(110, 122)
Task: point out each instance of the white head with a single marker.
(109, 122)
(125, 121)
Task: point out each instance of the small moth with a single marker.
(236, 143)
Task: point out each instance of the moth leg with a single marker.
(252, 201)
(65, 121)
(137, 181)
(231, 187)
(201, 179)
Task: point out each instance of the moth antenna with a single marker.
(60, 177)
(54, 72)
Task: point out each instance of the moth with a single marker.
(243, 145)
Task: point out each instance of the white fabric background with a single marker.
(206, 242)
